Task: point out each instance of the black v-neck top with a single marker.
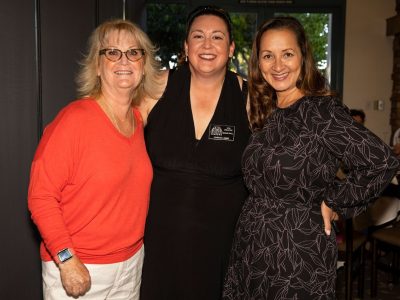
(197, 192)
(170, 132)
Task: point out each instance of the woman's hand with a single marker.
(75, 277)
(328, 215)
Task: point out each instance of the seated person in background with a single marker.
(396, 149)
(358, 115)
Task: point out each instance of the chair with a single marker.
(389, 237)
(353, 249)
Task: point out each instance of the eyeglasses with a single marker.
(116, 54)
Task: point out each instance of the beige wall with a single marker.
(368, 61)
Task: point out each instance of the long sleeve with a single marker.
(370, 161)
(90, 186)
(50, 172)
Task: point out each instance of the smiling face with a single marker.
(208, 46)
(280, 60)
(123, 75)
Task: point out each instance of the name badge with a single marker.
(221, 133)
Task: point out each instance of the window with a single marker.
(166, 28)
(244, 27)
(323, 21)
(318, 28)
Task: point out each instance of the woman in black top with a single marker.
(195, 137)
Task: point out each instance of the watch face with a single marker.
(64, 255)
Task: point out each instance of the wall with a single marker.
(18, 252)
(36, 79)
(368, 61)
(34, 89)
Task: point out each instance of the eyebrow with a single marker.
(114, 47)
(288, 49)
(199, 30)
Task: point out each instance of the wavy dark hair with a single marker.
(262, 95)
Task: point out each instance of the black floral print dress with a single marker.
(280, 249)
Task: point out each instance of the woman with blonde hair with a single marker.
(91, 175)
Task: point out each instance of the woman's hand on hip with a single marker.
(328, 216)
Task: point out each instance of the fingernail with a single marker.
(328, 232)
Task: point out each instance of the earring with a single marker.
(186, 58)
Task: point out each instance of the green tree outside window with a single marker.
(166, 28)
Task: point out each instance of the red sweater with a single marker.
(90, 185)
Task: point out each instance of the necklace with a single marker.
(114, 120)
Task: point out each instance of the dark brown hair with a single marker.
(209, 10)
(202, 11)
(358, 112)
(262, 95)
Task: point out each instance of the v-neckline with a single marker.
(189, 103)
(112, 126)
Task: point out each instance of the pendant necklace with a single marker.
(110, 111)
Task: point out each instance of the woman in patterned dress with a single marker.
(300, 134)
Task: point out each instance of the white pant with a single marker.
(109, 281)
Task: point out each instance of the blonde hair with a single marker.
(89, 83)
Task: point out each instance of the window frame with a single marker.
(337, 8)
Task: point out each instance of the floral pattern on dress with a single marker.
(280, 249)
